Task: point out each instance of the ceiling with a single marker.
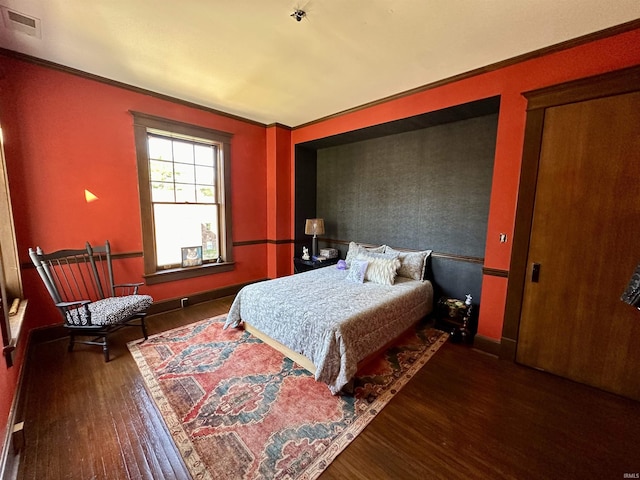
(252, 59)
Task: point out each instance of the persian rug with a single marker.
(238, 409)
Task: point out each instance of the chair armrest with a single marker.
(79, 303)
(76, 313)
(129, 288)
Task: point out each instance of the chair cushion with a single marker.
(114, 310)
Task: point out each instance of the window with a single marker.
(12, 306)
(183, 174)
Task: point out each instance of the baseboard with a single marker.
(200, 297)
(508, 349)
(11, 448)
(487, 345)
(10, 459)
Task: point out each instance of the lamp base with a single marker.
(314, 247)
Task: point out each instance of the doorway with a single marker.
(578, 233)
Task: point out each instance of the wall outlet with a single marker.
(184, 302)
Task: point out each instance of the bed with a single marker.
(327, 321)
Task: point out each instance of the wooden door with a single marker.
(585, 236)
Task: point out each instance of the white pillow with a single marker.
(412, 264)
(355, 249)
(382, 268)
(357, 271)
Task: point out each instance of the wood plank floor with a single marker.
(465, 415)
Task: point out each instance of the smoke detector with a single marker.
(20, 22)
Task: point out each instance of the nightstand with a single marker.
(457, 319)
(300, 265)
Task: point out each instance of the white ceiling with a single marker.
(251, 58)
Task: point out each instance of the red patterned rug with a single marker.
(238, 409)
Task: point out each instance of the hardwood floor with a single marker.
(464, 415)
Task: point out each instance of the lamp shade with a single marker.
(314, 226)
(632, 294)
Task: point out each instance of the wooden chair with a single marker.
(81, 285)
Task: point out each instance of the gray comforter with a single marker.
(330, 320)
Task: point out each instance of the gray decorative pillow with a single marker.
(357, 271)
(355, 249)
(382, 268)
(412, 264)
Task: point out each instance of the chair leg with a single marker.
(105, 348)
(72, 341)
(144, 328)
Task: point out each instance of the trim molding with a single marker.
(487, 345)
(495, 272)
(125, 86)
(175, 274)
(458, 258)
(279, 125)
(508, 347)
(200, 297)
(261, 241)
(10, 460)
(448, 256)
(575, 42)
(124, 255)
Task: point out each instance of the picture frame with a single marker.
(191, 256)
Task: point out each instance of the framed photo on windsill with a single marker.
(191, 256)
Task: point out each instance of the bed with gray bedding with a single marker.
(331, 320)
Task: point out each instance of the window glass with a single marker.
(204, 155)
(178, 226)
(160, 148)
(184, 173)
(179, 221)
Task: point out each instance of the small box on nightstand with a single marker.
(329, 252)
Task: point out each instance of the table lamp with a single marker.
(315, 227)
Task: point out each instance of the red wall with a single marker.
(278, 200)
(510, 82)
(64, 134)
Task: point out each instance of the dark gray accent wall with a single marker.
(305, 195)
(422, 189)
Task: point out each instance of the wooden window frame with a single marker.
(141, 123)
(10, 278)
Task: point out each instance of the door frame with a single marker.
(618, 82)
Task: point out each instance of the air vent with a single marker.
(20, 22)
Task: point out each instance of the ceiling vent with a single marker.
(20, 22)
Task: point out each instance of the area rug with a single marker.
(238, 409)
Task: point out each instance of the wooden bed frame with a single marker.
(300, 359)
(307, 364)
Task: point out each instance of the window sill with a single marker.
(174, 274)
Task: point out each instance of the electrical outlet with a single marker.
(184, 302)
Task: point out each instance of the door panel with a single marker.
(585, 236)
